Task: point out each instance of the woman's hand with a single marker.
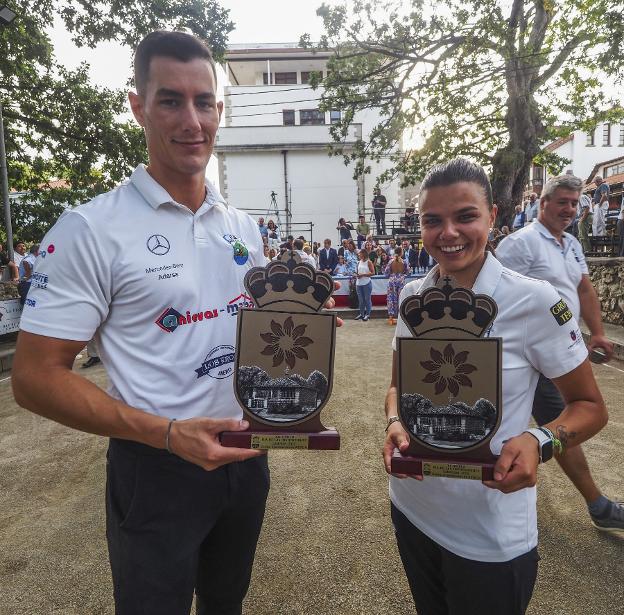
(516, 468)
(396, 437)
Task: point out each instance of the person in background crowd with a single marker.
(19, 252)
(13, 272)
(26, 267)
(585, 220)
(328, 257)
(343, 247)
(372, 253)
(379, 211)
(288, 244)
(362, 229)
(519, 218)
(546, 252)
(308, 250)
(265, 251)
(264, 230)
(601, 207)
(531, 208)
(364, 285)
(344, 228)
(412, 260)
(390, 247)
(272, 254)
(396, 270)
(298, 247)
(620, 229)
(423, 259)
(382, 261)
(351, 257)
(273, 234)
(470, 547)
(341, 267)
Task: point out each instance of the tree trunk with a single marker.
(511, 164)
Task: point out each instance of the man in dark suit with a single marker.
(328, 257)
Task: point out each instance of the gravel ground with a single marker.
(327, 545)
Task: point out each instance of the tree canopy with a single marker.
(492, 80)
(58, 125)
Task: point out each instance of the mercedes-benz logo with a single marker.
(158, 244)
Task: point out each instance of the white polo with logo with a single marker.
(464, 516)
(535, 252)
(158, 285)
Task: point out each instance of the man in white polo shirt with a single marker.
(545, 251)
(159, 283)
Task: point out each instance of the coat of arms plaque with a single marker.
(449, 383)
(285, 358)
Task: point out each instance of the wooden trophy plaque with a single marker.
(285, 358)
(449, 383)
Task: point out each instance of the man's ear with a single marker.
(220, 109)
(137, 106)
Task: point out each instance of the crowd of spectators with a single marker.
(357, 259)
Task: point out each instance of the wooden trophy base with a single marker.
(326, 440)
(474, 470)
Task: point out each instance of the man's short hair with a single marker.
(327, 241)
(177, 45)
(298, 244)
(565, 182)
(34, 248)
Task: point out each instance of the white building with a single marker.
(274, 139)
(584, 151)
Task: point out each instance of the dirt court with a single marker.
(327, 544)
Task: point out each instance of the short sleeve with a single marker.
(554, 344)
(515, 254)
(402, 330)
(71, 285)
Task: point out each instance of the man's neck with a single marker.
(188, 190)
(556, 233)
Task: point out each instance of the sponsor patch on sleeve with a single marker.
(561, 312)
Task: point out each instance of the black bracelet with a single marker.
(171, 422)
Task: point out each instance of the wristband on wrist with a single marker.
(557, 444)
(171, 422)
(391, 419)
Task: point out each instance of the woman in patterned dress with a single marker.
(396, 270)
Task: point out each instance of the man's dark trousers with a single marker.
(174, 529)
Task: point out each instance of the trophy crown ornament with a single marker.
(289, 284)
(445, 306)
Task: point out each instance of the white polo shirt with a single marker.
(464, 516)
(534, 251)
(158, 285)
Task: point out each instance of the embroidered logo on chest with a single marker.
(241, 253)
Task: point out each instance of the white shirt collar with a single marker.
(156, 195)
(487, 279)
(546, 233)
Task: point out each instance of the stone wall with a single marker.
(8, 290)
(607, 276)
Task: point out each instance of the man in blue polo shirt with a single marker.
(543, 250)
(158, 285)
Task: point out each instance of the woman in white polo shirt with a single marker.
(470, 547)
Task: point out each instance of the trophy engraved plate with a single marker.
(449, 384)
(285, 358)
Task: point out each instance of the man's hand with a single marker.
(600, 341)
(197, 441)
(396, 437)
(516, 468)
